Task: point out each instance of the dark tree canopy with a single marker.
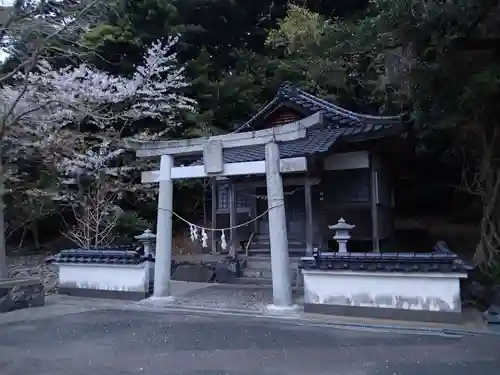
(436, 61)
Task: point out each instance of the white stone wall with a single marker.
(129, 278)
(408, 291)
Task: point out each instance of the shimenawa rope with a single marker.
(194, 227)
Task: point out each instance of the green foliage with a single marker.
(130, 224)
(320, 52)
(126, 29)
(233, 71)
(440, 65)
(228, 98)
(492, 274)
(399, 54)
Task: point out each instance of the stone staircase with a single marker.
(258, 271)
(258, 262)
(261, 245)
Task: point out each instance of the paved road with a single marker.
(116, 342)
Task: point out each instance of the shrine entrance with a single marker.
(295, 210)
(212, 150)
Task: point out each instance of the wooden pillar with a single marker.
(163, 258)
(232, 220)
(309, 217)
(280, 263)
(255, 210)
(214, 215)
(374, 205)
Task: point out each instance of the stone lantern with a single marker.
(342, 234)
(147, 239)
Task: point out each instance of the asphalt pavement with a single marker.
(121, 342)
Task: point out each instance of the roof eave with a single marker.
(386, 132)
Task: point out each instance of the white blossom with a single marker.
(43, 112)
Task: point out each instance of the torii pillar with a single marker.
(278, 238)
(164, 230)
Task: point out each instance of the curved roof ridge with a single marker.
(335, 114)
(343, 111)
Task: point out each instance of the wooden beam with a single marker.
(289, 165)
(254, 204)
(232, 220)
(374, 204)
(283, 133)
(287, 181)
(347, 160)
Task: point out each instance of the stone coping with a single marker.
(436, 261)
(110, 255)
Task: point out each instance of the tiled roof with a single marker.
(317, 140)
(338, 122)
(109, 255)
(387, 262)
(333, 115)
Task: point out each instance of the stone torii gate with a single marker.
(212, 149)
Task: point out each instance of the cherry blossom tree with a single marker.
(74, 119)
(30, 31)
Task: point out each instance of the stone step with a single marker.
(256, 279)
(264, 273)
(266, 264)
(266, 245)
(266, 251)
(261, 238)
(254, 273)
(258, 264)
(291, 238)
(265, 282)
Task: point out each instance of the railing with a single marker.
(249, 243)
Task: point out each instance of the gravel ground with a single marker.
(34, 266)
(226, 296)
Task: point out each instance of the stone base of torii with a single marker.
(212, 149)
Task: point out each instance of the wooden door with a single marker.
(263, 222)
(295, 212)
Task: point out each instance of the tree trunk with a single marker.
(487, 252)
(488, 249)
(3, 249)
